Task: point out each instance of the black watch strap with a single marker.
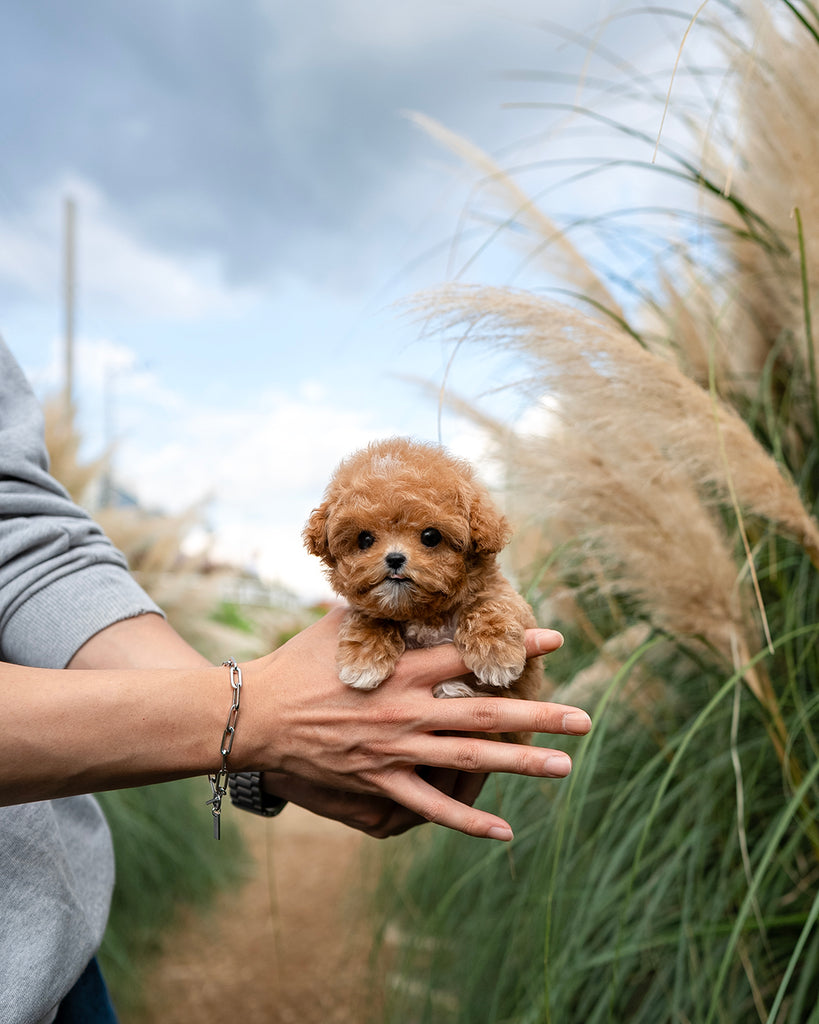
(246, 792)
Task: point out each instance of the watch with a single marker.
(246, 792)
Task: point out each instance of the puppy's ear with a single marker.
(315, 533)
(490, 530)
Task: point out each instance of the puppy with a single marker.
(410, 540)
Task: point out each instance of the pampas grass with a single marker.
(666, 524)
(636, 405)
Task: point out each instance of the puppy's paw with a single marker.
(364, 666)
(361, 677)
(491, 638)
(500, 676)
(499, 665)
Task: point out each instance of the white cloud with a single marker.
(262, 468)
(275, 552)
(277, 442)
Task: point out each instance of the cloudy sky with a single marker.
(252, 200)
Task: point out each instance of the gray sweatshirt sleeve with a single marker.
(61, 579)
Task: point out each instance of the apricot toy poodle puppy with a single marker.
(410, 539)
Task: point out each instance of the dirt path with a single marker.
(291, 945)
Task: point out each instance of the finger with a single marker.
(464, 787)
(542, 641)
(433, 664)
(408, 789)
(483, 756)
(497, 715)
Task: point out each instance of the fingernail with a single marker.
(576, 722)
(558, 764)
(549, 640)
(499, 832)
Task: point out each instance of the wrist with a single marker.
(258, 739)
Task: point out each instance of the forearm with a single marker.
(102, 729)
(148, 641)
(135, 709)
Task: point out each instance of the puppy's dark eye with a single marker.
(431, 537)
(365, 540)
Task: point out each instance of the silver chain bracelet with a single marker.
(219, 780)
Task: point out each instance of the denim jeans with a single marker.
(88, 1001)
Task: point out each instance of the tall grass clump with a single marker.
(666, 524)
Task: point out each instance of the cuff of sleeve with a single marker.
(51, 626)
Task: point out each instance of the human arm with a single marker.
(148, 641)
(134, 726)
(143, 706)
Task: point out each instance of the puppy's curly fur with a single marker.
(410, 539)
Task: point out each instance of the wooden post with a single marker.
(68, 299)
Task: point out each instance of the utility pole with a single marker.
(69, 292)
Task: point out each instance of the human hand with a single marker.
(300, 720)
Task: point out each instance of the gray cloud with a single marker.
(270, 134)
(266, 133)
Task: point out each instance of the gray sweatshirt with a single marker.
(61, 581)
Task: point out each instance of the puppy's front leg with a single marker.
(490, 637)
(367, 650)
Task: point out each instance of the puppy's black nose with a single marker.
(395, 560)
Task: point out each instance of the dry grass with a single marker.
(642, 464)
(666, 523)
(655, 466)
